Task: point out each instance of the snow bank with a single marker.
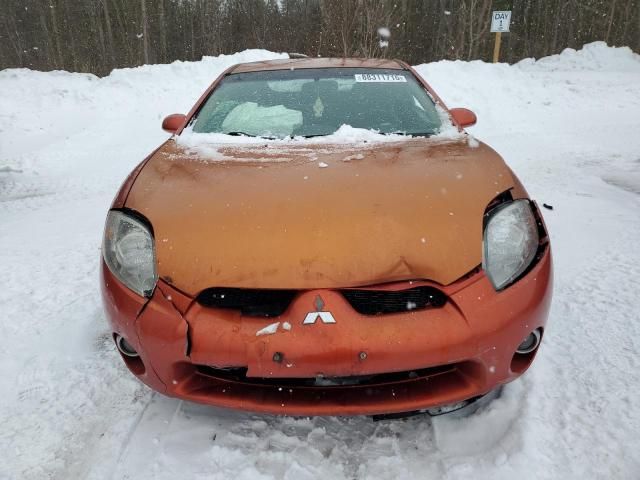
(593, 57)
(552, 91)
(47, 107)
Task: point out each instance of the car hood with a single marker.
(318, 216)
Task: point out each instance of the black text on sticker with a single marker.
(379, 77)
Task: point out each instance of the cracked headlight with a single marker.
(510, 242)
(129, 252)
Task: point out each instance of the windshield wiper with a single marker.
(417, 134)
(411, 134)
(245, 134)
(239, 134)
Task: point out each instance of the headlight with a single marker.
(129, 252)
(510, 242)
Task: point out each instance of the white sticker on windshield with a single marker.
(380, 77)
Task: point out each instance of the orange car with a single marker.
(263, 259)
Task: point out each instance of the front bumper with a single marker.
(410, 361)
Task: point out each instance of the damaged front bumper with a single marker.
(359, 365)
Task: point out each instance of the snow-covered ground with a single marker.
(569, 125)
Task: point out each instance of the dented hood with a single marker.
(318, 216)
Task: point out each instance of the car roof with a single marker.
(287, 63)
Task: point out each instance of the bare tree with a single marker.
(145, 31)
(99, 35)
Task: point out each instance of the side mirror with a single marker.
(173, 122)
(463, 117)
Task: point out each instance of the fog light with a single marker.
(530, 343)
(125, 347)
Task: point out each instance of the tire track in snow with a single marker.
(219, 443)
(590, 352)
(136, 447)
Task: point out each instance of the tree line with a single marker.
(100, 35)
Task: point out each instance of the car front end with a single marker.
(408, 276)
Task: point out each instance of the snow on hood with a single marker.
(207, 146)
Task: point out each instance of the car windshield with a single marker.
(317, 102)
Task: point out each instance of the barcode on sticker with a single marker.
(379, 77)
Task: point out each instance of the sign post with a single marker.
(496, 47)
(500, 21)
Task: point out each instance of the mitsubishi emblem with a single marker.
(325, 317)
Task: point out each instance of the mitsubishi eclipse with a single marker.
(267, 258)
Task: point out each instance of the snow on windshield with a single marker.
(250, 118)
(242, 124)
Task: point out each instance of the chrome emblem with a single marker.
(325, 317)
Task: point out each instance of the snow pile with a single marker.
(49, 107)
(596, 56)
(566, 124)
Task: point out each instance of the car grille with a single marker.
(273, 303)
(253, 303)
(381, 302)
(239, 374)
